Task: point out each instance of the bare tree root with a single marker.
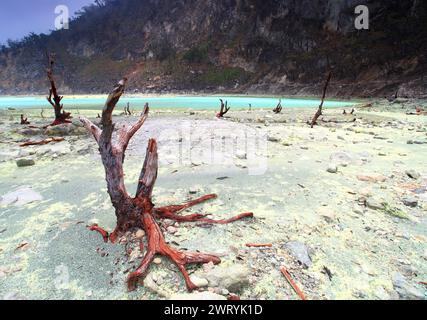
(139, 212)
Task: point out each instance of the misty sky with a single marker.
(20, 17)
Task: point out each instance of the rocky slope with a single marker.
(253, 46)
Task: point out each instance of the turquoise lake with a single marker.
(168, 102)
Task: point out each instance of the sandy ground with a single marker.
(342, 191)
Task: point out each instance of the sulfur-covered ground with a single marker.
(343, 205)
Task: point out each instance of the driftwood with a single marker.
(224, 109)
(320, 110)
(279, 108)
(54, 99)
(254, 245)
(24, 121)
(139, 212)
(42, 142)
(294, 286)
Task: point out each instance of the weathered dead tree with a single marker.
(279, 108)
(135, 213)
(24, 121)
(224, 109)
(54, 99)
(127, 110)
(319, 112)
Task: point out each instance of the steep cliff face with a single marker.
(235, 45)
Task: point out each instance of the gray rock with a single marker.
(332, 169)
(241, 155)
(197, 296)
(374, 204)
(24, 162)
(410, 202)
(273, 139)
(199, 282)
(232, 278)
(300, 252)
(405, 290)
(413, 174)
(20, 197)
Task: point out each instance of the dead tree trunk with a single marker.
(224, 109)
(24, 121)
(320, 110)
(54, 99)
(134, 213)
(279, 108)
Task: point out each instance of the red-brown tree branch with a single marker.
(42, 142)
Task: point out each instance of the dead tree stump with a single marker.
(224, 109)
(139, 212)
(279, 108)
(54, 99)
(24, 121)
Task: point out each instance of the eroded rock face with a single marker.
(239, 38)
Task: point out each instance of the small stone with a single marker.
(332, 169)
(374, 204)
(358, 210)
(193, 191)
(140, 234)
(199, 282)
(413, 174)
(172, 230)
(273, 139)
(241, 155)
(410, 202)
(232, 278)
(157, 261)
(25, 163)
